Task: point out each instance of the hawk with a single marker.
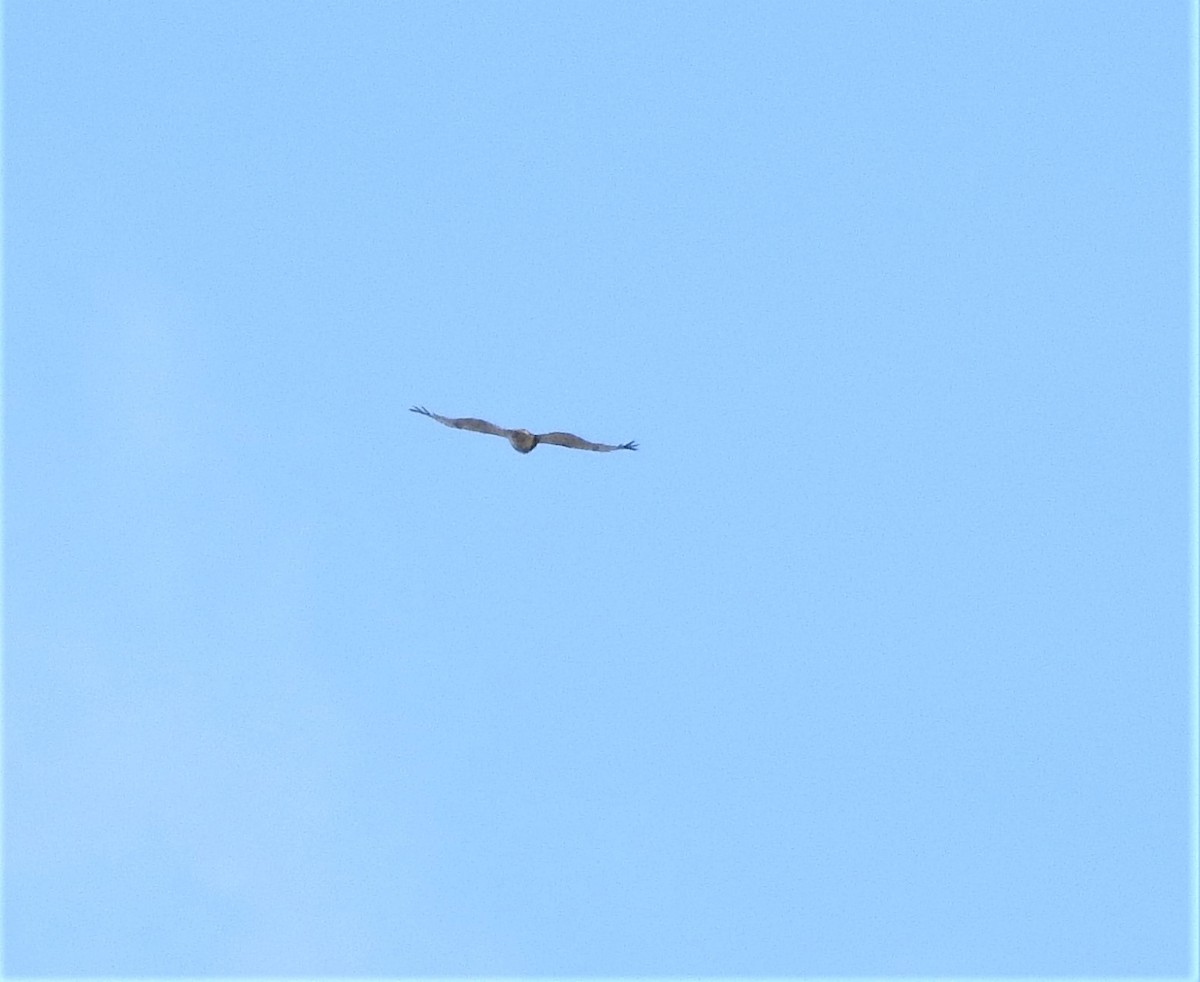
(522, 440)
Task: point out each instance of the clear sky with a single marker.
(873, 660)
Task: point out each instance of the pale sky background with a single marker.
(872, 661)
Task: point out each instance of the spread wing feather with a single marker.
(465, 423)
(578, 443)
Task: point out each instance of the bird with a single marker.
(522, 440)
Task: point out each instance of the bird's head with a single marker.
(522, 441)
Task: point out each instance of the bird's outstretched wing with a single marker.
(466, 423)
(578, 443)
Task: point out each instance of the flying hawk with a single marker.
(522, 440)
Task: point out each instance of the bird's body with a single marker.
(523, 441)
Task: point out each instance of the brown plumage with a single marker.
(522, 440)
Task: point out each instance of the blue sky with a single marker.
(873, 660)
